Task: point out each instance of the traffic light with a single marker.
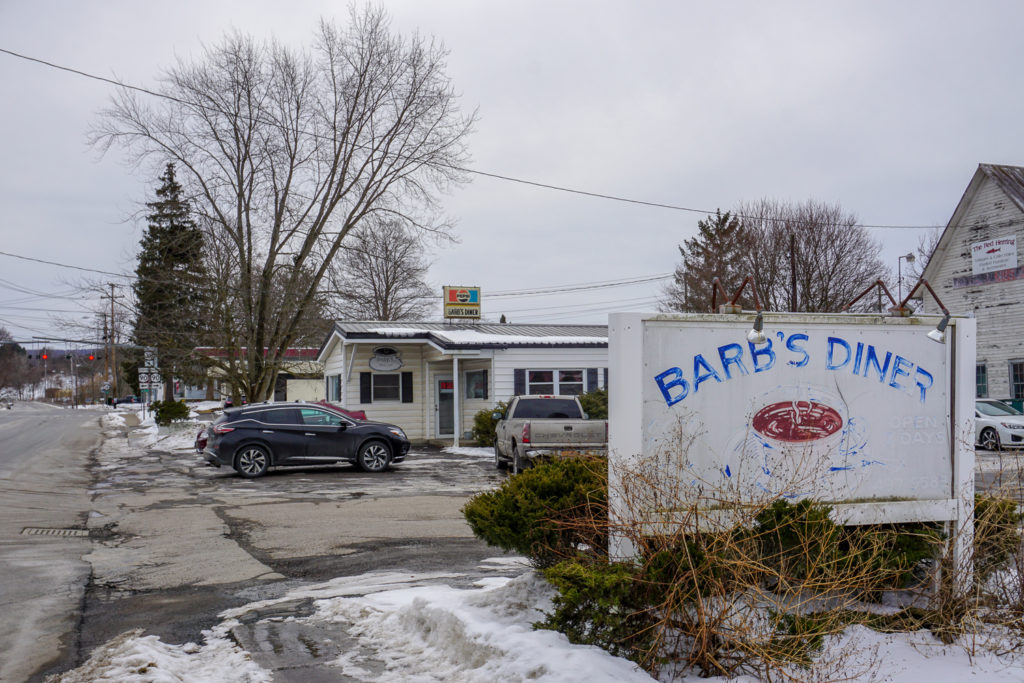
(92, 357)
(44, 356)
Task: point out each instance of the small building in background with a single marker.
(432, 378)
(975, 267)
(301, 377)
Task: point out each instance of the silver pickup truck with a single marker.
(535, 426)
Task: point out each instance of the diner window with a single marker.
(476, 384)
(980, 380)
(1017, 378)
(387, 387)
(565, 382)
(570, 382)
(540, 382)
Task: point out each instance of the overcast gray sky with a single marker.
(884, 107)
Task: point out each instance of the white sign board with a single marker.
(830, 407)
(992, 255)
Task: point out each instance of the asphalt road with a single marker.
(44, 484)
(176, 542)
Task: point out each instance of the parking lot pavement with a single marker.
(176, 541)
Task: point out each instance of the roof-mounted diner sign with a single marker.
(462, 302)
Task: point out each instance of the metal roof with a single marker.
(480, 335)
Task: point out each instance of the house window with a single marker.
(540, 382)
(568, 382)
(1017, 379)
(980, 380)
(387, 387)
(476, 384)
(335, 392)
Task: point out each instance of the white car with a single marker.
(998, 425)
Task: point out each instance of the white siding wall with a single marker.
(998, 306)
(553, 358)
(408, 416)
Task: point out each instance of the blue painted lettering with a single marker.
(702, 372)
(857, 358)
(792, 345)
(672, 378)
(830, 361)
(897, 370)
(920, 376)
(756, 354)
(872, 360)
(732, 354)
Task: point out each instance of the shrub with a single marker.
(484, 423)
(169, 411)
(550, 512)
(996, 538)
(595, 404)
(601, 604)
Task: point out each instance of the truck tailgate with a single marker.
(553, 433)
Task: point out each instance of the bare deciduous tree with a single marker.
(285, 152)
(380, 275)
(816, 246)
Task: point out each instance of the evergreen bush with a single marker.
(595, 404)
(484, 424)
(549, 512)
(169, 411)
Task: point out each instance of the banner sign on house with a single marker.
(995, 254)
(461, 302)
(830, 407)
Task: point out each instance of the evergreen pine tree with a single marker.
(716, 251)
(170, 276)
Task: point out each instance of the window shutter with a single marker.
(591, 379)
(606, 378)
(365, 387)
(519, 381)
(487, 392)
(406, 387)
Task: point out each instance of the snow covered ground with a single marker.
(419, 628)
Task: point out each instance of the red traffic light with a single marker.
(92, 357)
(44, 356)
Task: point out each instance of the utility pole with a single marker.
(112, 355)
(792, 271)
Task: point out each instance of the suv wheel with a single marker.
(252, 461)
(373, 456)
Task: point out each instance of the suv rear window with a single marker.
(548, 408)
(274, 416)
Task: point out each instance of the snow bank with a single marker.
(132, 657)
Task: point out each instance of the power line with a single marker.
(582, 286)
(62, 265)
(486, 174)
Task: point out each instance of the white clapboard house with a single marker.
(976, 268)
(432, 378)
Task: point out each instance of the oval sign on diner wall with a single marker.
(797, 421)
(385, 359)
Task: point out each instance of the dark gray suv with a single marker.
(254, 438)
